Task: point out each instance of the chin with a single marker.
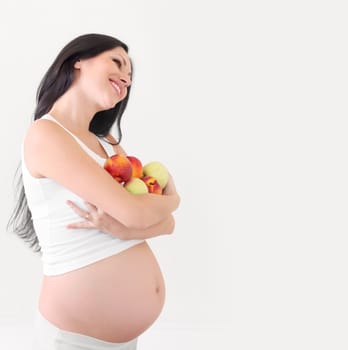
(107, 105)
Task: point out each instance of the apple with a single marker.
(152, 184)
(158, 171)
(119, 167)
(136, 186)
(137, 167)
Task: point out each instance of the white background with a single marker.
(246, 103)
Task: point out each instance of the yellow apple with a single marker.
(136, 186)
(158, 171)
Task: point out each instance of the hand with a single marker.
(95, 218)
(170, 188)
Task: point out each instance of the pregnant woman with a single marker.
(102, 286)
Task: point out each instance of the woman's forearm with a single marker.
(95, 218)
(163, 227)
(155, 209)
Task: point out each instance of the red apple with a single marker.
(137, 167)
(119, 167)
(152, 184)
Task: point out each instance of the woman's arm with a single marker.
(49, 151)
(105, 223)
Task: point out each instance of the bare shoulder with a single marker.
(117, 147)
(44, 142)
(41, 132)
(46, 135)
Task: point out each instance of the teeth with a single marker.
(116, 87)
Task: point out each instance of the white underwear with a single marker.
(49, 337)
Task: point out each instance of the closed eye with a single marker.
(117, 61)
(121, 64)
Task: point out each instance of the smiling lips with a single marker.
(116, 87)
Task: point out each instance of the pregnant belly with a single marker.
(115, 299)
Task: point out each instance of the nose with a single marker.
(126, 80)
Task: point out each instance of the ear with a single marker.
(77, 64)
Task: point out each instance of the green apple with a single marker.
(136, 186)
(158, 171)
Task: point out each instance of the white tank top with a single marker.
(64, 249)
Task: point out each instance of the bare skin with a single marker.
(119, 297)
(96, 218)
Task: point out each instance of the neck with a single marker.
(72, 110)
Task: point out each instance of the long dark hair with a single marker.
(54, 84)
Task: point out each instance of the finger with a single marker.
(91, 207)
(76, 209)
(81, 224)
(73, 206)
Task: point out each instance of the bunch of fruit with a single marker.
(136, 178)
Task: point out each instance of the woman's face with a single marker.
(104, 79)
